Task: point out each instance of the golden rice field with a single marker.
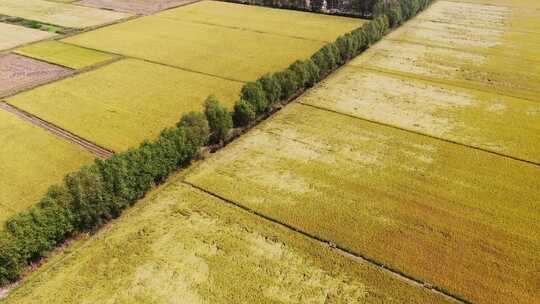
(123, 103)
(14, 35)
(180, 245)
(63, 54)
(458, 218)
(502, 124)
(263, 20)
(31, 160)
(218, 48)
(57, 13)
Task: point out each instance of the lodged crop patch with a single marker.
(145, 7)
(31, 159)
(182, 243)
(489, 121)
(219, 48)
(120, 105)
(443, 213)
(57, 13)
(13, 35)
(63, 54)
(455, 67)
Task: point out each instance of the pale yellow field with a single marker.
(14, 35)
(183, 246)
(64, 54)
(31, 160)
(489, 121)
(455, 67)
(513, 3)
(121, 104)
(57, 13)
(261, 19)
(458, 218)
(222, 50)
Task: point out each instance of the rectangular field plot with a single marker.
(512, 76)
(31, 160)
(512, 3)
(493, 122)
(231, 53)
(473, 39)
(19, 72)
(180, 243)
(63, 14)
(484, 16)
(14, 35)
(121, 104)
(145, 7)
(265, 20)
(461, 219)
(67, 55)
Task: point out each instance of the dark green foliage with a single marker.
(243, 113)
(196, 128)
(271, 87)
(288, 82)
(253, 93)
(302, 74)
(321, 61)
(313, 73)
(219, 119)
(11, 264)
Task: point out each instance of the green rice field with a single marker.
(67, 55)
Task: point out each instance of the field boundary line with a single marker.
(153, 62)
(440, 82)
(358, 257)
(457, 49)
(58, 131)
(245, 29)
(514, 158)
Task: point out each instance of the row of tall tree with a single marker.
(97, 193)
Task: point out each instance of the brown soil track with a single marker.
(70, 137)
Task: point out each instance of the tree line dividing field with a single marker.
(95, 194)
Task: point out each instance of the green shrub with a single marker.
(288, 82)
(196, 128)
(243, 113)
(302, 74)
(313, 72)
(253, 93)
(271, 87)
(219, 119)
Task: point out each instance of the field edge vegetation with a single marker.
(97, 193)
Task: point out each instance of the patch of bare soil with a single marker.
(144, 7)
(19, 72)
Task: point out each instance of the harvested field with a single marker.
(180, 245)
(18, 72)
(67, 55)
(492, 122)
(455, 67)
(31, 160)
(144, 7)
(13, 35)
(121, 104)
(461, 219)
(57, 13)
(226, 52)
(264, 20)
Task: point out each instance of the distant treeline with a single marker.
(353, 8)
(97, 193)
